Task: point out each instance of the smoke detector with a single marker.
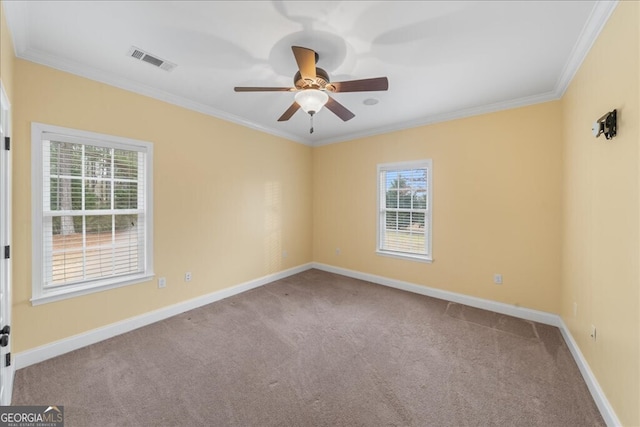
(141, 55)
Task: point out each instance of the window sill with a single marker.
(410, 257)
(86, 289)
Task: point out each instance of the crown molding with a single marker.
(17, 20)
(599, 16)
(17, 14)
(71, 67)
(445, 117)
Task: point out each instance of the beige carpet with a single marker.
(319, 349)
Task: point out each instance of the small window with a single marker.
(404, 203)
(92, 212)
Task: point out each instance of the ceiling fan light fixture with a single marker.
(311, 100)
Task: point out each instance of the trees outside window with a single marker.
(404, 209)
(93, 211)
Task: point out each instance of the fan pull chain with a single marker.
(311, 113)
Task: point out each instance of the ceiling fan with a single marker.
(312, 85)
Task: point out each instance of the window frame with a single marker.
(381, 219)
(40, 294)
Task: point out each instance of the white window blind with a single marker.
(94, 213)
(404, 197)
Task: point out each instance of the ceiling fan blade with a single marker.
(263, 89)
(364, 85)
(339, 109)
(306, 59)
(290, 112)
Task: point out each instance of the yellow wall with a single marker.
(527, 193)
(496, 209)
(228, 200)
(601, 212)
(6, 55)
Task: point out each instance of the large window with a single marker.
(92, 212)
(404, 202)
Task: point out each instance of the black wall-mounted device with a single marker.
(607, 125)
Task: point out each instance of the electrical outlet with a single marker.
(338, 251)
(285, 254)
(187, 276)
(575, 309)
(497, 279)
(162, 282)
(593, 335)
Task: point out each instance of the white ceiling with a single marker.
(444, 60)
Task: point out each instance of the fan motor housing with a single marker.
(320, 82)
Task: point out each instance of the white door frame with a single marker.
(6, 372)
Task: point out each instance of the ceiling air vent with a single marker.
(140, 54)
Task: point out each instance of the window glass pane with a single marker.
(67, 266)
(112, 251)
(65, 194)
(56, 224)
(126, 222)
(129, 236)
(126, 164)
(65, 159)
(404, 178)
(76, 194)
(420, 199)
(406, 194)
(126, 260)
(392, 198)
(67, 250)
(404, 199)
(97, 225)
(97, 194)
(404, 220)
(85, 249)
(417, 220)
(56, 186)
(97, 162)
(391, 179)
(391, 220)
(126, 195)
(67, 225)
(99, 246)
(404, 241)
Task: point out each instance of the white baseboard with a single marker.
(598, 395)
(498, 307)
(605, 408)
(57, 348)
